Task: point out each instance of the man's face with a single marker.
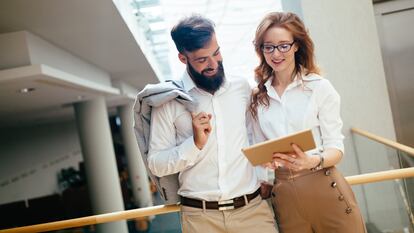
(205, 66)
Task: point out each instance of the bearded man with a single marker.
(219, 188)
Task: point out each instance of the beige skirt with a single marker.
(315, 202)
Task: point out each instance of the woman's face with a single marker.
(282, 58)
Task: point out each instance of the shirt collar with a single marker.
(270, 90)
(187, 82)
(296, 81)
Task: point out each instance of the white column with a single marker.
(100, 162)
(136, 167)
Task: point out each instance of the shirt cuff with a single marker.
(338, 146)
(188, 150)
(262, 174)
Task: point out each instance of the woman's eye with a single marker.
(268, 48)
(284, 46)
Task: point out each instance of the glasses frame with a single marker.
(277, 47)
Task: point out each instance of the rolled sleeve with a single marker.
(330, 118)
(188, 150)
(165, 157)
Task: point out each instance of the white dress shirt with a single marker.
(309, 104)
(219, 171)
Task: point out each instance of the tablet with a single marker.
(262, 152)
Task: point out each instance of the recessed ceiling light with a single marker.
(27, 90)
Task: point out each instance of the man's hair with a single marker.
(192, 33)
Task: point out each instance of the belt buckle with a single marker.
(226, 205)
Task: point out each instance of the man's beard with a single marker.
(208, 83)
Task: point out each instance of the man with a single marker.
(219, 188)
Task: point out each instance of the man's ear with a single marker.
(182, 58)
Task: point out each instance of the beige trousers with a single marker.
(315, 202)
(254, 217)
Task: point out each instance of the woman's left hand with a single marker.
(296, 161)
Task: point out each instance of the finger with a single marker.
(284, 157)
(277, 155)
(210, 116)
(206, 128)
(193, 115)
(201, 115)
(277, 164)
(283, 163)
(289, 165)
(204, 121)
(297, 150)
(284, 154)
(293, 155)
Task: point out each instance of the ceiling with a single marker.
(92, 30)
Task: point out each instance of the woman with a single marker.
(309, 194)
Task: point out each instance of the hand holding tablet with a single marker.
(261, 153)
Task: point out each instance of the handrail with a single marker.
(164, 209)
(381, 176)
(95, 219)
(385, 141)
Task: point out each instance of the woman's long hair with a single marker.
(304, 56)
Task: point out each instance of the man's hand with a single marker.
(201, 128)
(265, 190)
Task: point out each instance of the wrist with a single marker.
(198, 145)
(320, 163)
(315, 161)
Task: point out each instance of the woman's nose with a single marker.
(276, 54)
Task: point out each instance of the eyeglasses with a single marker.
(283, 48)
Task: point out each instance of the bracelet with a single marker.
(320, 164)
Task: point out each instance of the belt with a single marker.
(231, 204)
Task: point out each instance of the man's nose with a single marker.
(212, 63)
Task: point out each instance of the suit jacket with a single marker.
(154, 95)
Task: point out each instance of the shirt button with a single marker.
(333, 184)
(327, 172)
(348, 210)
(341, 197)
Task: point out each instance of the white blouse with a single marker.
(309, 104)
